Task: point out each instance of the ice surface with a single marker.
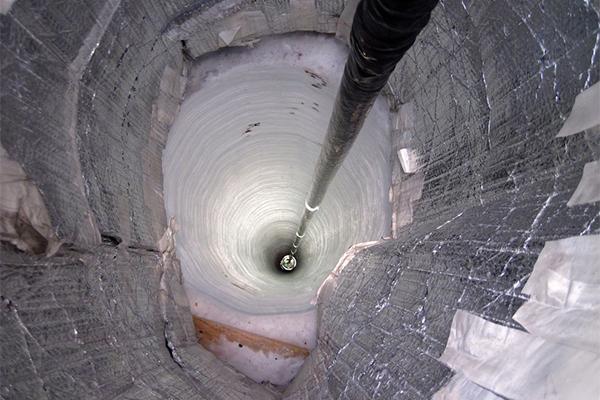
(239, 162)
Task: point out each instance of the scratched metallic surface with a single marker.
(88, 92)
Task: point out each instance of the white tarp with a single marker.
(571, 327)
(559, 357)
(585, 113)
(564, 290)
(460, 388)
(588, 189)
(24, 219)
(518, 365)
(567, 273)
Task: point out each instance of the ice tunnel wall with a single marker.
(238, 165)
(88, 93)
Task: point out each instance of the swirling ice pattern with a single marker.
(237, 167)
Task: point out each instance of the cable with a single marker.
(382, 32)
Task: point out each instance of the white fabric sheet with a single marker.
(585, 113)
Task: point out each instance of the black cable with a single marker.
(382, 32)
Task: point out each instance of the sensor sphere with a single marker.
(288, 263)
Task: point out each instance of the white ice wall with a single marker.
(238, 164)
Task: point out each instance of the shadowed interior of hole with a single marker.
(274, 243)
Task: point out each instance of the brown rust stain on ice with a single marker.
(210, 333)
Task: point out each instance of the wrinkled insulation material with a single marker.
(88, 92)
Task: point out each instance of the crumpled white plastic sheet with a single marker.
(408, 160)
(24, 219)
(564, 291)
(560, 356)
(518, 365)
(588, 189)
(567, 273)
(577, 328)
(584, 114)
(460, 388)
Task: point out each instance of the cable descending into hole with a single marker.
(382, 32)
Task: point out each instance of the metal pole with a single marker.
(382, 32)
